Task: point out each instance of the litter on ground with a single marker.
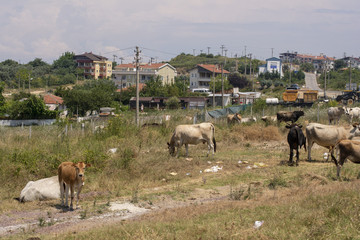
(213, 169)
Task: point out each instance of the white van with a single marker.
(202, 90)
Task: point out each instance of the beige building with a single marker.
(125, 74)
(94, 66)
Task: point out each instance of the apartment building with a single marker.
(201, 75)
(94, 66)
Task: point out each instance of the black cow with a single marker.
(295, 139)
(284, 116)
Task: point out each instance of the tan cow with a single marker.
(71, 176)
(349, 149)
(328, 135)
(192, 134)
(233, 118)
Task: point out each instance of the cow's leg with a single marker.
(62, 192)
(78, 196)
(297, 156)
(66, 195)
(310, 144)
(187, 149)
(72, 196)
(291, 157)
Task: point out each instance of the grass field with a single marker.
(305, 202)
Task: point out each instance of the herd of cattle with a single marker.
(329, 136)
(71, 175)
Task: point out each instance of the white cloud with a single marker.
(47, 28)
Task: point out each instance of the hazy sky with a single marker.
(165, 28)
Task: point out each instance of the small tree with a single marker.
(173, 103)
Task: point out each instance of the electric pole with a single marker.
(272, 52)
(350, 74)
(245, 61)
(325, 68)
(121, 60)
(137, 62)
(250, 77)
(222, 50)
(222, 86)
(214, 85)
(208, 50)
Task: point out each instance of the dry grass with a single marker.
(305, 197)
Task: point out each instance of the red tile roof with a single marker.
(212, 68)
(52, 99)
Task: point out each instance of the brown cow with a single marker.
(233, 118)
(349, 149)
(71, 175)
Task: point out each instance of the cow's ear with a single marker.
(168, 144)
(74, 164)
(288, 126)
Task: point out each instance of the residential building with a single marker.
(124, 75)
(272, 65)
(201, 75)
(94, 66)
(54, 102)
(319, 62)
(355, 62)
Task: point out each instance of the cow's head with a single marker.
(80, 169)
(299, 113)
(293, 125)
(171, 148)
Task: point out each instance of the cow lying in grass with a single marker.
(71, 176)
(192, 134)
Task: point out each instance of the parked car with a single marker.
(294, 87)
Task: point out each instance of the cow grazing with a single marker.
(284, 116)
(349, 149)
(233, 118)
(269, 119)
(248, 120)
(327, 136)
(192, 134)
(335, 113)
(353, 113)
(42, 189)
(71, 176)
(295, 140)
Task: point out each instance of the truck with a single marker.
(299, 97)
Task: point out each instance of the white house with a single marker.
(272, 65)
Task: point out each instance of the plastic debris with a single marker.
(239, 162)
(187, 174)
(173, 173)
(248, 167)
(188, 159)
(112, 150)
(326, 156)
(209, 162)
(200, 171)
(258, 224)
(246, 162)
(213, 169)
(219, 162)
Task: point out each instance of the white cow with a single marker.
(334, 114)
(43, 189)
(248, 119)
(353, 113)
(327, 136)
(192, 134)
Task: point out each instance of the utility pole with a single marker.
(114, 57)
(222, 50)
(245, 61)
(222, 86)
(225, 50)
(250, 77)
(272, 52)
(208, 50)
(193, 52)
(137, 62)
(214, 85)
(325, 69)
(350, 74)
(121, 60)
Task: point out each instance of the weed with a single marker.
(42, 221)
(83, 214)
(277, 181)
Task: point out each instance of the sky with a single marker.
(163, 29)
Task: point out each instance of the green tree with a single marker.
(218, 84)
(307, 67)
(173, 103)
(2, 98)
(65, 64)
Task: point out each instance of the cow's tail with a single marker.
(331, 150)
(213, 129)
